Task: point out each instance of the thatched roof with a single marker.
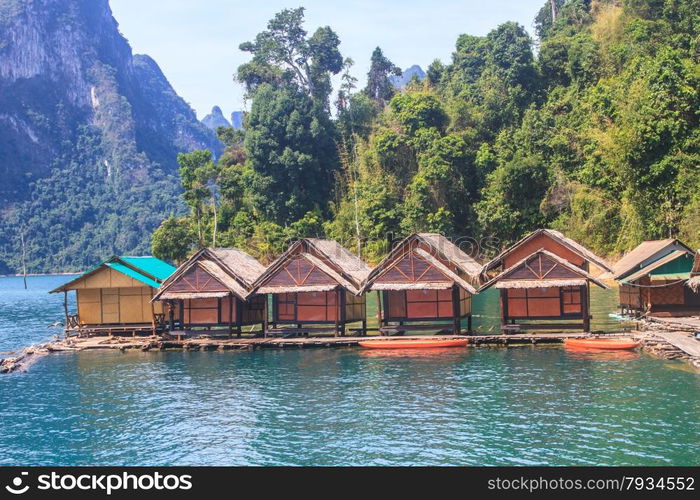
(346, 261)
(341, 265)
(694, 281)
(233, 268)
(572, 245)
(462, 270)
(646, 251)
(452, 253)
(504, 280)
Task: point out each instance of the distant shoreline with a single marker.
(29, 275)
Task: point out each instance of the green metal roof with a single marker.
(118, 266)
(680, 265)
(151, 266)
(143, 269)
(676, 263)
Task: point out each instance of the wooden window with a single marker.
(571, 300)
(534, 302)
(89, 306)
(673, 293)
(110, 305)
(630, 297)
(395, 303)
(465, 302)
(355, 307)
(317, 306)
(202, 311)
(286, 306)
(429, 303)
(253, 310)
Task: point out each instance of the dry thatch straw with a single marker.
(502, 281)
(464, 270)
(572, 245)
(344, 267)
(233, 268)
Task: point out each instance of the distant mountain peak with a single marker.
(409, 73)
(215, 119)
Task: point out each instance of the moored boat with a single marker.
(413, 344)
(598, 343)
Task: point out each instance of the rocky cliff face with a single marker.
(64, 65)
(74, 98)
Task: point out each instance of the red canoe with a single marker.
(413, 344)
(602, 343)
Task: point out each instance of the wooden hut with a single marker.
(530, 294)
(315, 285)
(116, 294)
(544, 286)
(212, 290)
(652, 279)
(425, 283)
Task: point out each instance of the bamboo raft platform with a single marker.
(256, 342)
(687, 324)
(653, 342)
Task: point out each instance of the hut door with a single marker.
(395, 304)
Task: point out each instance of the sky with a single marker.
(195, 42)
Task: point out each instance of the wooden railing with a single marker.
(159, 319)
(72, 321)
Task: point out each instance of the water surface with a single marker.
(477, 406)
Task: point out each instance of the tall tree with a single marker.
(290, 138)
(284, 54)
(379, 87)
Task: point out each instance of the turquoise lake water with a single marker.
(478, 406)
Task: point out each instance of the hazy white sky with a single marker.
(195, 42)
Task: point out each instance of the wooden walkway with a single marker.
(682, 341)
(687, 323)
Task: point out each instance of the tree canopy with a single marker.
(596, 134)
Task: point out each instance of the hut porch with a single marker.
(115, 296)
(658, 287)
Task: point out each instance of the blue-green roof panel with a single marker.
(143, 269)
(151, 266)
(118, 266)
(679, 265)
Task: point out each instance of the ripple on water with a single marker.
(520, 406)
(478, 406)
